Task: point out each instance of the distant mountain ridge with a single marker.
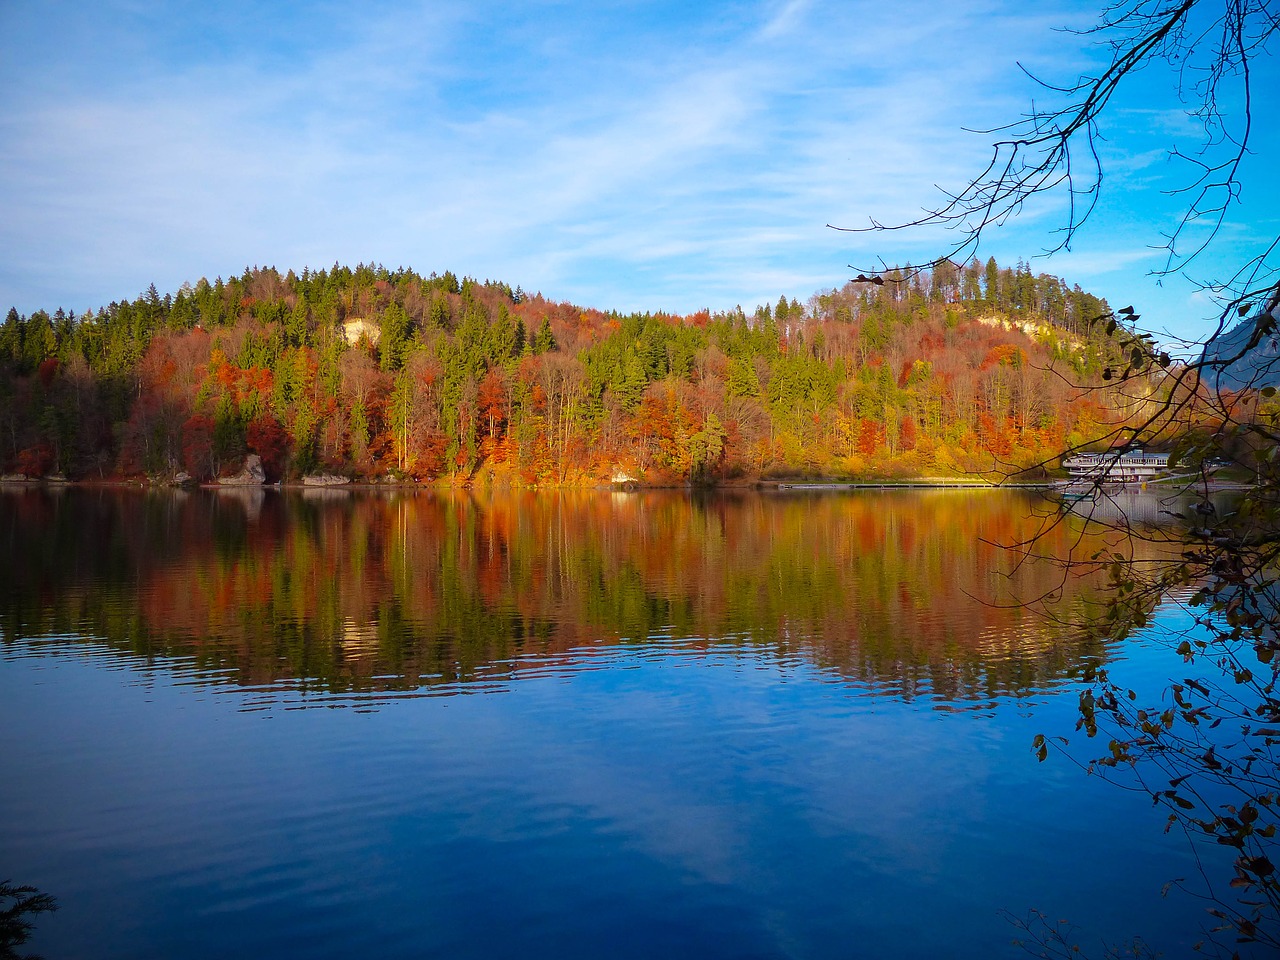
(1245, 357)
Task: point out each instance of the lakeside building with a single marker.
(1133, 466)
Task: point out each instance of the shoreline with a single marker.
(809, 485)
(779, 486)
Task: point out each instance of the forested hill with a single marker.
(370, 372)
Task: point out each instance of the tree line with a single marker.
(370, 372)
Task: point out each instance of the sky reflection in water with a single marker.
(574, 725)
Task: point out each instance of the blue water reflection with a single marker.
(779, 792)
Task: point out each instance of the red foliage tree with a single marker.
(492, 400)
(870, 436)
(47, 371)
(909, 434)
(35, 461)
(268, 439)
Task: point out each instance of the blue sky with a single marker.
(622, 155)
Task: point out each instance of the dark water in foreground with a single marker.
(633, 725)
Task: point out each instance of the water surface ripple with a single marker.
(564, 725)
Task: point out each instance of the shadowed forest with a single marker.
(373, 373)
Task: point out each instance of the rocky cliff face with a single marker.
(1247, 356)
(251, 474)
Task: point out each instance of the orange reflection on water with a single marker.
(351, 590)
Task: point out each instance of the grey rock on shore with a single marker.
(250, 475)
(324, 480)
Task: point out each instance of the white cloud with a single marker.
(591, 153)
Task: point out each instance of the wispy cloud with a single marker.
(629, 156)
(785, 19)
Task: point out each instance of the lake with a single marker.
(418, 724)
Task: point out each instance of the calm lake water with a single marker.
(314, 724)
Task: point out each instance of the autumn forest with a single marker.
(370, 373)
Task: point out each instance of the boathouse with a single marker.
(1132, 466)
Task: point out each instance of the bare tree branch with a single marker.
(1054, 150)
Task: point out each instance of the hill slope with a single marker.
(371, 371)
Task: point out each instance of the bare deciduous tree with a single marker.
(1208, 752)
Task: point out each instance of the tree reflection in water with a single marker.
(914, 592)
